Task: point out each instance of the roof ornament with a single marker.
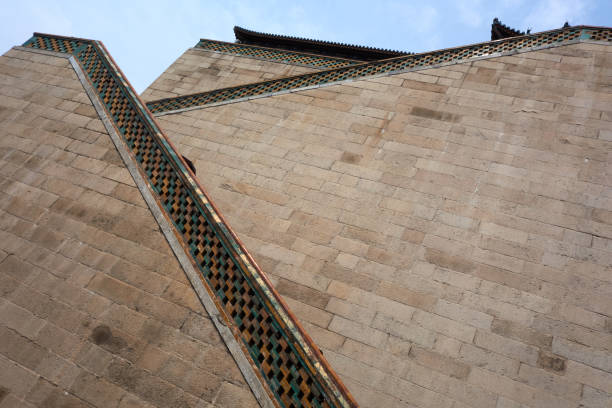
(500, 31)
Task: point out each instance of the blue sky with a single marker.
(145, 37)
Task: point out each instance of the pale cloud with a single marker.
(511, 3)
(41, 17)
(49, 16)
(549, 14)
(412, 26)
(418, 17)
(427, 18)
(471, 12)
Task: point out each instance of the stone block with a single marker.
(357, 331)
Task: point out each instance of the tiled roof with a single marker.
(328, 48)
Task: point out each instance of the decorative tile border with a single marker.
(275, 55)
(285, 368)
(384, 67)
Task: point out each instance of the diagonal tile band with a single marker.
(288, 368)
(275, 55)
(383, 67)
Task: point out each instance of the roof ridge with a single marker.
(324, 42)
(395, 64)
(321, 47)
(271, 48)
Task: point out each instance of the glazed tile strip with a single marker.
(284, 358)
(274, 55)
(387, 66)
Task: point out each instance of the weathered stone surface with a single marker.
(455, 221)
(199, 70)
(79, 294)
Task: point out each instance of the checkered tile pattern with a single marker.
(285, 362)
(398, 64)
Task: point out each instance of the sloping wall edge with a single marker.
(278, 359)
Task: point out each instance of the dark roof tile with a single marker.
(357, 52)
(500, 31)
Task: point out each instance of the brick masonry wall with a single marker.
(199, 70)
(445, 236)
(95, 311)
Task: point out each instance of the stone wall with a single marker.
(199, 70)
(94, 308)
(444, 236)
